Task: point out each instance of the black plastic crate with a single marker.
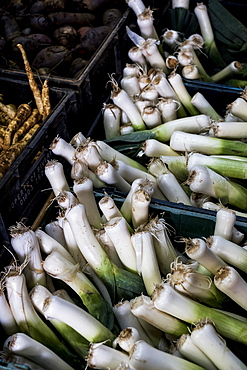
(23, 186)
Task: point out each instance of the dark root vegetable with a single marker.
(39, 23)
(37, 8)
(10, 28)
(52, 57)
(73, 19)
(54, 5)
(77, 66)
(66, 36)
(93, 38)
(111, 17)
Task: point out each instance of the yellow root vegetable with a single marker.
(33, 119)
(23, 112)
(33, 85)
(46, 99)
(7, 110)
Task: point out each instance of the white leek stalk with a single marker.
(145, 357)
(27, 319)
(176, 165)
(122, 100)
(38, 295)
(101, 356)
(201, 103)
(117, 229)
(143, 308)
(58, 267)
(26, 246)
(111, 120)
(136, 5)
(140, 203)
(55, 174)
(109, 208)
(151, 116)
(136, 56)
(130, 173)
(144, 80)
(171, 188)
(171, 38)
(229, 117)
(66, 199)
(80, 169)
(126, 318)
(185, 57)
(167, 299)
(108, 246)
(141, 104)
(7, 320)
(180, 4)
(204, 180)
(239, 108)
(147, 264)
(224, 223)
(163, 86)
(171, 62)
(191, 352)
(107, 173)
(222, 165)
(150, 93)
(74, 316)
(152, 54)
(89, 154)
(230, 130)
(78, 139)
(126, 129)
(191, 72)
(202, 16)
(200, 287)
(198, 250)
(48, 245)
(179, 87)
(131, 85)
(109, 154)
(55, 230)
(168, 108)
(114, 278)
(232, 68)
(62, 148)
(228, 280)
(164, 249)
(145, 22)
(126, 338)
(131, 70)
(207, 339)
(185, 141)
(228, 251)
(154, 148)
(26, 346)
(84, 191)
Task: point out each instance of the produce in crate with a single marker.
(148, 321)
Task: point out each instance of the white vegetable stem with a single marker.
(145, 357)
(193, 353)
(207, 339)
(123, 101)
(107, 173)
(143, 308)
(74, 316)
(224, 223)
(55, 174)
(136, 5)
(152, 54)
(154, 148)
(101, 356)
(228, 251)
(145, 22)
(198, 250)
(62, 148)
(117, 230)
(166, 299)
(22, 344)
(172, 189)
(201, 103)
(229, 281)
(140, 207)
(111, 120)
(230, 130)
(228, 71)
(84, 191)
(147, 264)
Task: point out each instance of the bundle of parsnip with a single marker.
(130, 299)
(18, 124)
